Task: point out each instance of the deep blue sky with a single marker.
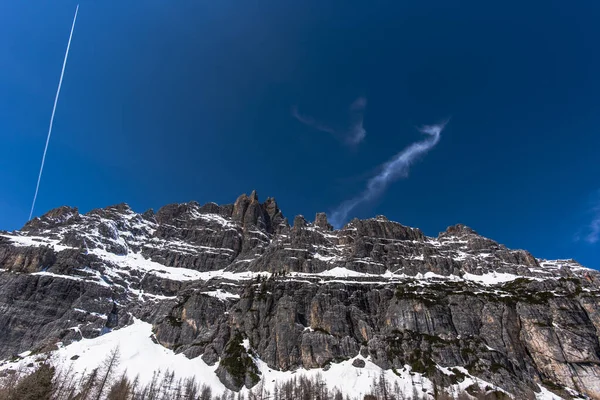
(168, 101)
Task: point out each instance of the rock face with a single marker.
(236, 283)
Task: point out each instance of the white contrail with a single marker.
(395, 168)
(62, 73)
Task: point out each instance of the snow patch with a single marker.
(139, 355)
(490, 278)
(221, 294)
(545, 394)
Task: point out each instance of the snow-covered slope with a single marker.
(140, 357)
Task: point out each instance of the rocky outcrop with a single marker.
(236, 283)
(37, 311)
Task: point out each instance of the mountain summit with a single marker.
(235, 294)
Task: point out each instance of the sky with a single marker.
(326, 106)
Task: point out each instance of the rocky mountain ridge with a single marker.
(241, 289)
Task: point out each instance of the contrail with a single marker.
(395, 168)
(62, 73)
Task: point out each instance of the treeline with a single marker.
(54, 382)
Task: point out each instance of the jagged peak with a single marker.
(193, 203)
(253, 196)
(458, 230)
(61, 211)
(56, 216)
(322, 222)
(149, 214)
(299, 221)
(381, 227)
(120, 208)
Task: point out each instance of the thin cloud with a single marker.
(353, 135)
(307, 120)
(396, 168)
(356, 132)
(593, 235)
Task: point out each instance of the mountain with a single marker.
(234, 294)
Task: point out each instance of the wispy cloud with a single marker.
(352, 135)
(396, 168)
(310, 121)
(593, 234)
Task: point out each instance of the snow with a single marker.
(217, 219)
(490, 278)
(72, 278)
(123, 264)
(341, 272)
(221, 294)
(139, 355)
(260, 233)
(468, 381)
(545, 394)
(366, 260)
(95, 314)
(241, 276)
(36, 241)
(539, 271)
(433, 275)
(326, 258)
(186, 248)
(138, 262)
(348, 379)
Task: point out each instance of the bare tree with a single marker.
(134, 386)
(166, 385)
(109, 365)
(120, 390)
(398, 391)
(88, 382)
(190, 391)
(382, 387)
(205, 392)
(65, 385)
(176, 393)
